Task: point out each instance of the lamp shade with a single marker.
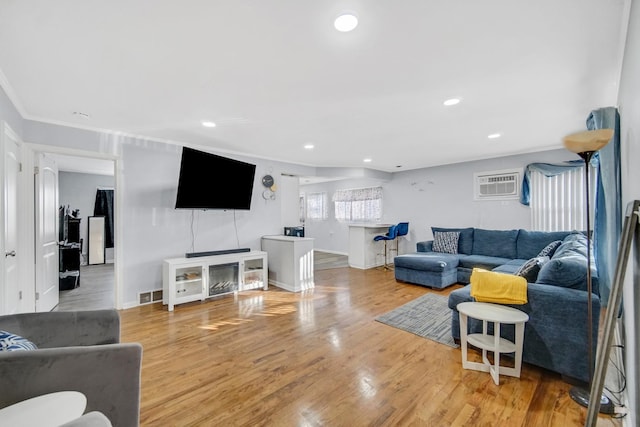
(589, 140)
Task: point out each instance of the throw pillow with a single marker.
(446, 242)
(550, 249)
(530, 269)
(13, 342)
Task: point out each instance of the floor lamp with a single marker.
(585, 144)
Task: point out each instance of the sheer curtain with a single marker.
(360, 204)
(317, 206)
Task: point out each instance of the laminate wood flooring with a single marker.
(96, 290)
(318, 358)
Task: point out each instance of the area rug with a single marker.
(428, 317)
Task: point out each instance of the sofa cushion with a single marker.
(481, 261)
(465, 240)
(427, 261)
(566, 272)
(446, 242)
(496, 243)
(530, 243)
(13, 342)
(511, 267)
(574, 244)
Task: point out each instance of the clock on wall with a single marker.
(267, 181)
(269, 193)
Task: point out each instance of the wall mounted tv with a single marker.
(208, 181)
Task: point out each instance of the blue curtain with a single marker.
(608, 215)
(547, 169)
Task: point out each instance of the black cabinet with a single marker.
(69, 268)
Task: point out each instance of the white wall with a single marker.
(152, 229)
(437, 196)
(629, 108)
(78, 190)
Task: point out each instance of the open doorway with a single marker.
(86, 228)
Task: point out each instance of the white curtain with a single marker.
(317, 206)
(360, 204)
(558, 202)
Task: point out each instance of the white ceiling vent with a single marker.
(496, 185)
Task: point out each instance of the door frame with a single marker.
(28, 157)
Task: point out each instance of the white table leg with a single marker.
(496, 354)
(463, 339)
(519, 343)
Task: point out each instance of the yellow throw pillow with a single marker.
(501, 288)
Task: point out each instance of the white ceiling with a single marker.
(275, 75)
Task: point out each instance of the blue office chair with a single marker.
(391, 235)
(402, 229)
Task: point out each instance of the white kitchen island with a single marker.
(290, 261)
(363, 251)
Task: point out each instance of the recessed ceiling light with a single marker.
(367, 160)
(494, 136)
(452, 101)
(208, 124)
(346, 22)
(308, 146)
(80, 114)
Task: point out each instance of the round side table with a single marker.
(51, 409)
(496, 314)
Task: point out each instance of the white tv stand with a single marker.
(192, 279)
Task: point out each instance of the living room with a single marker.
(150, 229)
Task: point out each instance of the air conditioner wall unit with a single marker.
(496, 185)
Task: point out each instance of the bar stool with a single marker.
(391, 235)
(402, 229)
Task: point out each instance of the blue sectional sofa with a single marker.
(556, 335)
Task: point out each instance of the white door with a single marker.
(10, 285)
(46, 191)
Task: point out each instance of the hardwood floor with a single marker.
(318, 358)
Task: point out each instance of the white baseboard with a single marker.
(331, 252)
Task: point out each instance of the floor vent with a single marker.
(149, 297)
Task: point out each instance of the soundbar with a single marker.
(221, 252)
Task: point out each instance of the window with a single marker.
(317, 206)
(362, 204)
(558, 202)
(301, 208)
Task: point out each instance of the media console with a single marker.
(192, 279)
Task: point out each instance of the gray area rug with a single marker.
(427, 316)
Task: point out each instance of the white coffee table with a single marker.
(496, 314)
(51, 409)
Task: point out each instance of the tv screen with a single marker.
(208, 181)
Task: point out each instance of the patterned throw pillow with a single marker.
(550, 249)
(530, 269)
(13, 342)
(446, 242)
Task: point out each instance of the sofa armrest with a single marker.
(426, 246)
(108, 375)
(64, 329)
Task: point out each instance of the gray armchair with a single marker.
(78, 351)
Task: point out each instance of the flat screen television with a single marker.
(208, 181)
